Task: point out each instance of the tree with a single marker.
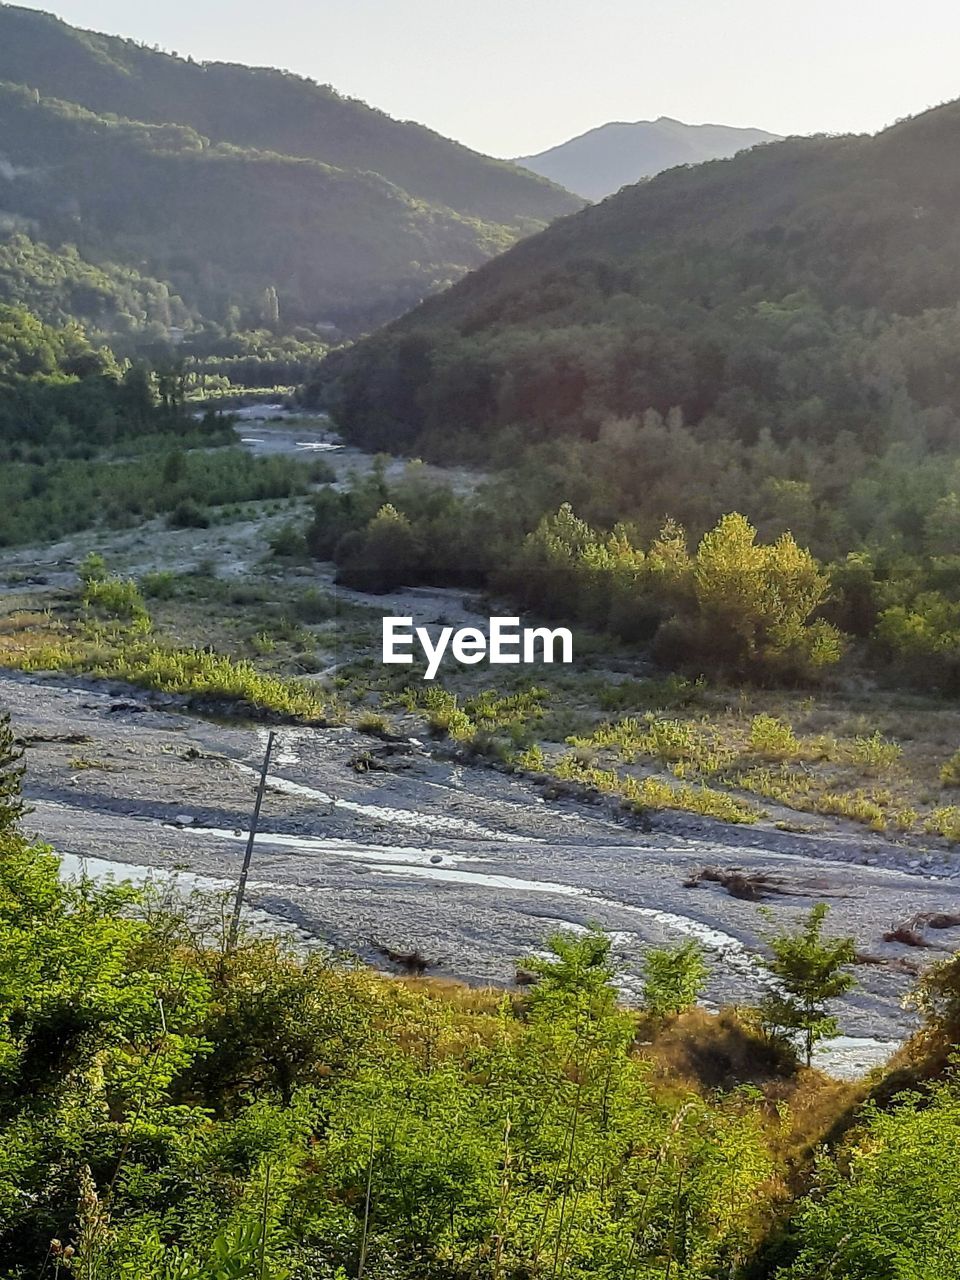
(385, 555)
(756, 602)
(12, 805)
(809, 971)
(888, 1209)
(673, 979)
(575, 973)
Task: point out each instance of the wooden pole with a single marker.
(248, 852)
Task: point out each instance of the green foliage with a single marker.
(691, 348)
(736, 604)
(115, 600)
(60, 497)
(673, 979)
(12, 805)
(875, 754)
(950, 771)
(384, 555)
(92, 569)
(808, 970)
(173, 1113)
(771, 738)
(891, 1212)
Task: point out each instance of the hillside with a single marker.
(267, 110)
(221, 224)
(250, 197)
(804, 288)
(773, 335)
(603, 160)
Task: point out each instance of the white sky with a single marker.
(512, 77)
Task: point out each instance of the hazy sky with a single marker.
(512, 77)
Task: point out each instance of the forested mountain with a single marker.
(266, 110)
(246, 194)
(776, 335)
(603, 160)
(806, 288)
(220, 223)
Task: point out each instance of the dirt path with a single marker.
(467, 865)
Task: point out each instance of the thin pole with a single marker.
(248, 852)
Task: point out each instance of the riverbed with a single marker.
(468, 866)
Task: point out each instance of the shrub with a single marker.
(532, 760)
(161, 585)
(288, 542)
(875, 754)
(93, 568)
(315, 606)
(950, 771)
(773, 738)
(673, 979)
(809, 971)
(188, 514)
(118, 599)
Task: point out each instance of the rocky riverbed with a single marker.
(385, 849)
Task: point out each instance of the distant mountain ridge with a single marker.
(615, 155)
(233, 184)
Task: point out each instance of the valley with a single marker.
(638, 964)
(381, 837)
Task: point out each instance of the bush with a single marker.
(773, 738)
(315, 606)
(874, 754)
(673, 979)
(93, 568)
(950, 771)
(188, 514)
(161, 585)
(288, 542)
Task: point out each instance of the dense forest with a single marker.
(249, 216)
(773, 335)
(260, 109)
(222, 224)
(85, 441)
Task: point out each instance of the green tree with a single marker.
(888, 1211)
(576, 971)
(809, 970)
(673, 979)
(12, 805)
(385, 555)
(757, 602)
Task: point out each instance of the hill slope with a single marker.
(790, 289)
(219, 223)
(603, 160)
(228, 185)
(269, 110)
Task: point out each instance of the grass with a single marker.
(111, 636)
(672, 743)
(646, 793)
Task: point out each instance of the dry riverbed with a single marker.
(468, 866)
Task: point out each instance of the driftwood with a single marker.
(412, 962)
(751, 886)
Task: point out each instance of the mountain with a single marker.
(803, 289)
(615, 155)
(230, 183)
